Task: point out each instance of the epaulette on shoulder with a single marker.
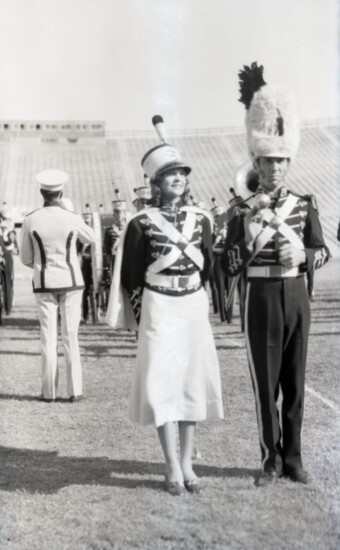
(30, 213)
(69, 211)
(138, 215)
(309, 198)
(234, 211)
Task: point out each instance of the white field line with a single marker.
(324, 400)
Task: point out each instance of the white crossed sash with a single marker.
(181, 240)
(276, 223)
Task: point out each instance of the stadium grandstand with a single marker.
(99, 162)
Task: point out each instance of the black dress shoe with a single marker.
(299, 475)
(74, 398)
(268, 477)
(45, 399)
(193, 486)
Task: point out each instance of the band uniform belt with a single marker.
(272, 271)
(173, 281)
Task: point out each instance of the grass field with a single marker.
(82, 476)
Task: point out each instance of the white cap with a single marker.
(52, 180)
(162, 158)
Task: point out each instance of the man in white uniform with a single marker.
(48, 246)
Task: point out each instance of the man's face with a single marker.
(119, 215)
(272, 172)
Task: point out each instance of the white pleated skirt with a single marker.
(177, 373)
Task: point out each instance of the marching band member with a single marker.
(48, 246)
(9, 247)
(165, 257)
(85, 256)
(219, 237)
(246, 183)
(113, 233)
(277, 241)
(143, 193)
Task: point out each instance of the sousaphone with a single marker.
(245, 185)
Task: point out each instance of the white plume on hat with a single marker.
(272, 120)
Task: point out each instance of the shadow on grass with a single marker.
(22, 322)
(46, 472)
(24, 353)
(17, 397)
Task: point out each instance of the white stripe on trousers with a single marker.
(253, 373)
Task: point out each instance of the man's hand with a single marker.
(290, 256)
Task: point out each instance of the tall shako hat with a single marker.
(87, 214)
(163, 157)
(198, 203)
(118, 203)
(272, 119)
(52, 180)
(217, 209)
(144, 191)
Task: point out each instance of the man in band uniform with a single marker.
(48, 246)
(277, 242)
(113, 233)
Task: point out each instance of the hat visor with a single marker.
(274, 154)
(48, 187)
(172, 166)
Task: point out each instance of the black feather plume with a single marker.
(251, 80)
(156, 119)
(280, 124)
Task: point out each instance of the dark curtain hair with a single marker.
(51, 195)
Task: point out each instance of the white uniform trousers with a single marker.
(69, 305)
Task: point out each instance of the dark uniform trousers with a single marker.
(86, 269)
(277, 320)
(219, 286)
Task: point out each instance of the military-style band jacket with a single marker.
(219, 233)
(145, 243)
(111, 237)
(48, 245)
(302, 219)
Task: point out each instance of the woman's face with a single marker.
(173, 184)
